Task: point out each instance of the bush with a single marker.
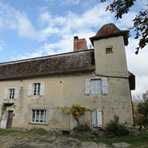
(77, 111)
(114, 128)
(143, 110)
(82, 128)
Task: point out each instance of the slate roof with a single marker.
(82, 61)
(110, 30)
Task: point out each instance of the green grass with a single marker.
(19, 132)
(134, 141)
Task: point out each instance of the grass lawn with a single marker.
(134, 141)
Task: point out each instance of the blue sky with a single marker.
(32, 28)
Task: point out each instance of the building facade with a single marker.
(33, 92)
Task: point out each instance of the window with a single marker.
(109, 49)
(97, 118)
(11, 93)
(96, 86)
(39, 116)
(35, 89)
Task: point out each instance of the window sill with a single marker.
(35, 97)
(35, 123)
(9, 100)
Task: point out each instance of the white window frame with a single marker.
(35, 89)
(38, 116)
(11, 93)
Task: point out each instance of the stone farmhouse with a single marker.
(34, 91)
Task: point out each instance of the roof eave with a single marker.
(124, 33)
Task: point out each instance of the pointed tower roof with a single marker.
(110, 30)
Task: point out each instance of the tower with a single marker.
(109, 48)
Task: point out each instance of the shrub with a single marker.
(77, 111)
(114, 128)
(143, 110)
(82, 128)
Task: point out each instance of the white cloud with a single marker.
(25, 27)
(138, 65)
(71, 2)
(142, 4)
(127, 20)
(72, 23)
(12, 19)
(64, 2)
(49, 25)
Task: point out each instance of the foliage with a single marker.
(82, 128)
(140, 22)
(143, 110)
(137, 118)
(141, 29)
(134, 141)
(66, 110)
(77, 111)
(114, 128)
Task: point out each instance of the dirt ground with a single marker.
(46, 142)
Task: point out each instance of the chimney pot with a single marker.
(76, 37)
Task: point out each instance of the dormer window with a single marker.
(109, 49)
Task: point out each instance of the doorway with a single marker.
(9, 120)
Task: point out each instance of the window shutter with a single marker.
(29, 91)
(87, 87)
(42, 89)
(6, 94)
(104, 85)
(99, 118)
(16, 93)
(94, 119)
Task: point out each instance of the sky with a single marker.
(34, 28)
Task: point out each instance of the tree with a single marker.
(140, 22)
(142, 108)
(76, 110)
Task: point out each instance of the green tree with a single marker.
(140, 22)
(142, 108)
(77, 111)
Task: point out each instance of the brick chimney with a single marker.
(79, 44)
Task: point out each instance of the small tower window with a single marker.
(109, 49)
